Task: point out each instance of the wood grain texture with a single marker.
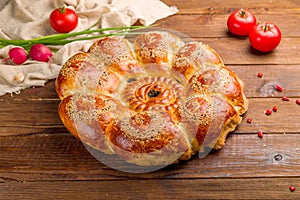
(58, 157)
(227, 6)
(215, 25)
(34, 117)
(39, 159)
(257, 188)
(238, 52)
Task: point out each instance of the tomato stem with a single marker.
(62, 10)
(265, 27)
(242, 13)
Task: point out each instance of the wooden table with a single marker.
(39, 159)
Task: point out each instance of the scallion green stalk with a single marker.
(65, 38)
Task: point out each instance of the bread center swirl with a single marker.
(153, 93)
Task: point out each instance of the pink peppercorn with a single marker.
(268, 112)
(292, 188)
(284, 98)
(259, 75)
(278, 88)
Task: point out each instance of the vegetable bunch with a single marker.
(65, 38)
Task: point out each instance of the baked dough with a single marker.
(155, 101)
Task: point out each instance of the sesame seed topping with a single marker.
(197, 109)
(144, 125)
(83, 108)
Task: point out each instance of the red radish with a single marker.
(40, 52)
(17, 55)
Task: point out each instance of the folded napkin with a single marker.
(27, 19)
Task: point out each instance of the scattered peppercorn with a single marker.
(260, 134)
(259, 75)
(284, 98)
(249, 120)
(292, 188)
(278, 88)
(298, 101)
(268, 112)
(275, 108)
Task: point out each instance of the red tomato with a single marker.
(240, 22)
(63, 20)
(265, 37)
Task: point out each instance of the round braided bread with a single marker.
(155, 101)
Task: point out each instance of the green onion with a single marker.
(65, 38)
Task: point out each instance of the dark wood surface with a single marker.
(39, 159)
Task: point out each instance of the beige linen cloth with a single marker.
(27, 19)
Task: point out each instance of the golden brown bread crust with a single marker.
(115, 53)
(153, 102)
(82, 72)
(204, 69)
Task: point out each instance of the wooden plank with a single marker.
(215, 25)
(35, 116)
(226, 6)
(46, 92)
(285, 120)
(55, 157)
(238, 52)
(29, 117)
(258, 188)
(286, 76)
